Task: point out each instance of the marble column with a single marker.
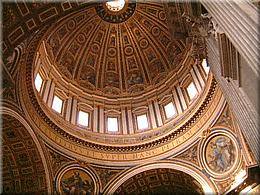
(46, 90)
(177, 101)
(239, 21)
(95, 118)
(101, 120)
(124, 120)
(182, 99)
(68, 109)
(130, 120)
(245, 114)
(198, 73)
(51, 94)
(152, 115)
(158, 113)
(195, 79)
(74, 111)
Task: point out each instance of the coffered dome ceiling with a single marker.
(122, 65)
(116, 53)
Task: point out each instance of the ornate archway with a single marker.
(21, 170)
(207, 186)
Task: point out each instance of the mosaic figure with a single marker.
(76, 182)
(221, 154)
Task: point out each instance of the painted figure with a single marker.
(76, 185)
(222, 155)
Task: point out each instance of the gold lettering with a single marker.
(189, 133)
(141, 155)
(135, 156)
(178, 141)
(173, 144)
(114, 157)
(165, 147)
(77, 149)
(148, 153)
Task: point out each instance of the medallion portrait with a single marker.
(76, 181)
(220, 154)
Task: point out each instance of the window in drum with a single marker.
(192, 91)
(170, 110)
(83, 118)
(38, 82)
(142, 122)
(112, 124)
(57, 104)
(205, 66)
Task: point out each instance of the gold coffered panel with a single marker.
(115, 58)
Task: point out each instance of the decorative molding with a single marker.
(57, 160)
(190, 155)
(207, 185)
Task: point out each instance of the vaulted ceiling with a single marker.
(22, 168)
(160, 181)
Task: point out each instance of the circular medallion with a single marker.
(162, 16)
(128, 50)
(155, 31)
(111, 52)
(220, 153)
(116, 11)
(71, 24)
(75, 180)
(95, 48)
(143, 43)
(81, 38)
